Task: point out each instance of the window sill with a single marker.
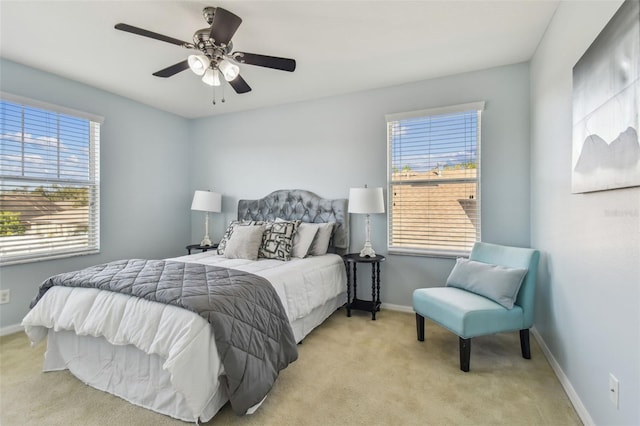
(428, 253)
(21, 261)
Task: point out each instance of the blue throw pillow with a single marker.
(498, 283)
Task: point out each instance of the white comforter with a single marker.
(302, 284)
(180, 337)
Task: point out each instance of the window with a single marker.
(49, 181)
(434, 180)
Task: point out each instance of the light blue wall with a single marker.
(588, 310)
(332, 144)
(145, 200)
(588, 301)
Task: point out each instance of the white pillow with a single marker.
(245, 242)
(498, 283)
(233, 225)
(320, 243)
(302, 240)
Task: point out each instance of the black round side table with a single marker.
(199, 247)
(351, 261)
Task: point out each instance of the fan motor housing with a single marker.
(202, 40)
(208, 13)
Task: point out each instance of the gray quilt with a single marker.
(251, 329)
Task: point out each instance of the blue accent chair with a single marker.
(470, 315)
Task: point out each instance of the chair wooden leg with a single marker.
(465, 354)
(524, 344)
(420, 326)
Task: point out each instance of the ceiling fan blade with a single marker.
(173, 69)
(224, 26)
(239, 85)
(274, 62)
(150, 34)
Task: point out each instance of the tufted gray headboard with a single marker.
(298, 204)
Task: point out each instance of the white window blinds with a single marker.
(49, 181)
(434, 180)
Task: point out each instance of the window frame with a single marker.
(478, 107)
(92, 182)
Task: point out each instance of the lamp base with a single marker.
(206, 241)
(367, 251)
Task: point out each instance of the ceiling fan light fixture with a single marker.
(211, 77)
(228, 69)
(198, 64)
(214, 52)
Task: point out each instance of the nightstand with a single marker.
(351, 261)
(199, 247)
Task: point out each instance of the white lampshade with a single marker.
(366, 200)
(229, 70)
(211, 77)
(198, 64)
(207, 201)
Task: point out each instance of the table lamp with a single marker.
(366, 201)
(206, 201)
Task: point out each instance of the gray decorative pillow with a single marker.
(277, 240)
(244, 242)
(232, 226)
(320, 243)
(498, 283)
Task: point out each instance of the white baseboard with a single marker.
(10, 329)
(564, 381)
(400, 308)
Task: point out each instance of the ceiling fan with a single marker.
(215, 46)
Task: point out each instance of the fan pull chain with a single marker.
(214, 95)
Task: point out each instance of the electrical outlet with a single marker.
(614, 388)
(5, 296)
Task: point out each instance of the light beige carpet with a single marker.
(350, 371)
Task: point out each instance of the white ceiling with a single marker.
(339, 46)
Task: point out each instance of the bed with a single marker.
(165, 358)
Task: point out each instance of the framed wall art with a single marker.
(606, 95)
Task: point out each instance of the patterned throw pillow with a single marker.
(227, 234)
(277, 240)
